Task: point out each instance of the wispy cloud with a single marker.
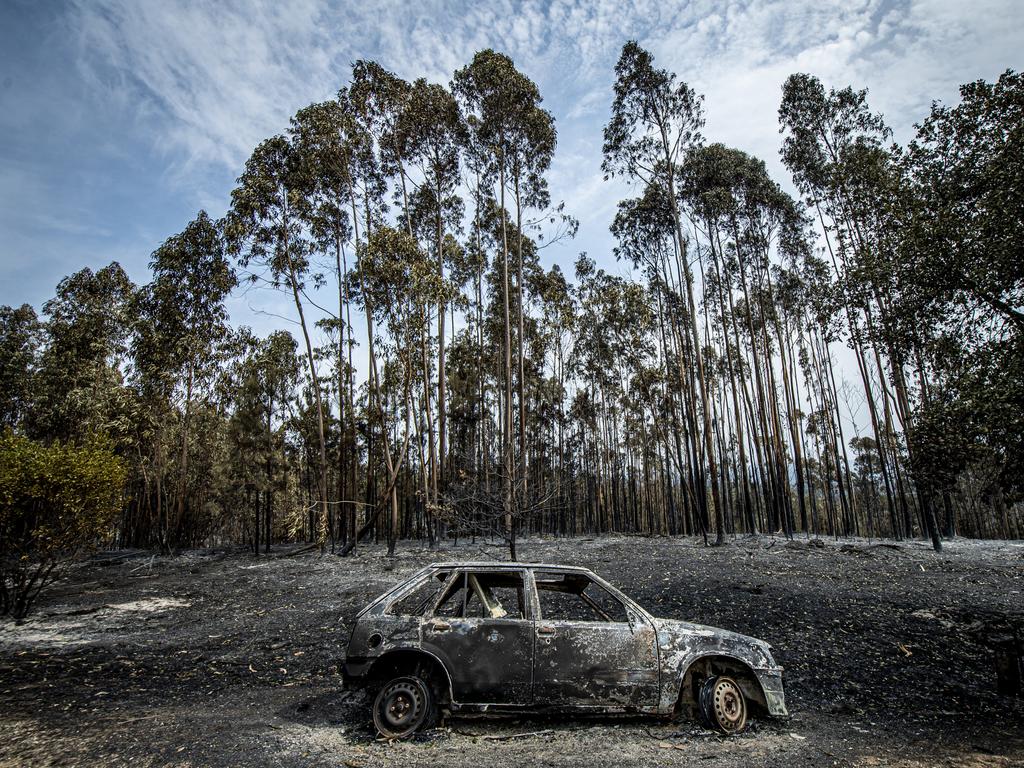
(142, 111)
(212, 78)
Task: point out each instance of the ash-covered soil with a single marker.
(215, 659)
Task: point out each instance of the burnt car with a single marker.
(491, 637)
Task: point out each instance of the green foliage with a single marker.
(56, 502)
(822, 130)
(20, 339)
(79, 388)
(502, 107)
(966, 167)
(654, 118)
(181, 312)
(400, 281)
(263, 227)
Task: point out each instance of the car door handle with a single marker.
(439, 626)
(545, 631)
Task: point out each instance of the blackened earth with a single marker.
(225, 659)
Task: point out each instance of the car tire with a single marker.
(404, 706)
(722, 706)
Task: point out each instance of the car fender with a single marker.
(681, 645)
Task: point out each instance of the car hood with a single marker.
(683, 638)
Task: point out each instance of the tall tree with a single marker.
(502, 109)
(80, 383)
(436, 130)
(264, 230)
(655, 121)
(181, 321)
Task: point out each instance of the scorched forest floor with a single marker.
(225, 659)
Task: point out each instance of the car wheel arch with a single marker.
(399, 661)
(708, 665)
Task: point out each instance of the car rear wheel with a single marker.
(722, 706)
(404, 706)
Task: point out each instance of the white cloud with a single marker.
(204, 81)
(212, 78)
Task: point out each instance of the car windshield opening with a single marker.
(421, 597)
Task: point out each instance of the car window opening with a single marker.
(484, 596)
(575, 597)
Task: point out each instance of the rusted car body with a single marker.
(479, 637)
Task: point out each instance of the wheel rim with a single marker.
(401, 707)
(728, 705)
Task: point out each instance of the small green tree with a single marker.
(78, 386)
(20, 338)
(56, 501)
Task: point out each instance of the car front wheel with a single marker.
(404, 706)
(722, 705)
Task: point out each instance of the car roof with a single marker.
(509, 565)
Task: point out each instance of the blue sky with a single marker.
(121, 118)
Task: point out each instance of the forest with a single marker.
(847, 362)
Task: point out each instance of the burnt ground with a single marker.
(223, 659)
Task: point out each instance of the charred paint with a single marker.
(683, 645)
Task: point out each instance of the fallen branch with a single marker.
(517, 735)
(300, 550)
(148, 564)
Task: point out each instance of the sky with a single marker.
(120, 119)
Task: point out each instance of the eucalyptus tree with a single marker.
(471, 266)
(533, 146)
(416, 124)
(20, 341)
(333, 155)
(655, 121)
(436, 133)
(79, 387)
(379, 100)
(398, 283)
(513, 139)
(260, 386)
(349, 148)
(833, 145)
(265, 231)
(613, 341)
(558, 328)
(965, 167)
(181, 321)
(960, 274)
(708, 180)
(644, 228)
(773, 223)
(482, 240)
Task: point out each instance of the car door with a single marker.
(482, 629)
(591, 649)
